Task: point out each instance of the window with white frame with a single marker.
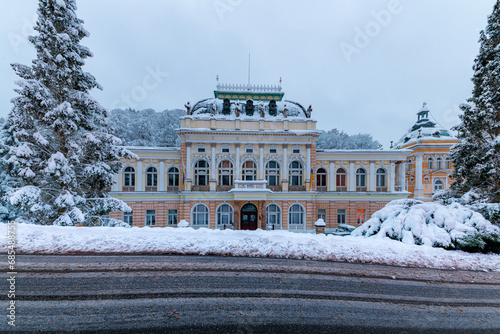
(447, 163)
(438, 185)
(249, 171)
(129, 177)
(322, 214)
(200, 215)
(408, 165)
(273, 217)
(128, 218)
(341, 177)
(341, 216)
(321, 177)
(201, 149)
(151, 177)
(150, 217)
(360, 177)
(225, 216)
(273, 173)
(296, 217)
(249, 150)
(360, 218)
(201, 173)
(430, 163)
(173, 177)
(172, 217)
(381, 177)
(439, 163)
(296, 150)
(273, 150)
(295, 172)
(225, 173)
(225, 149)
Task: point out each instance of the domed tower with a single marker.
(429, 168)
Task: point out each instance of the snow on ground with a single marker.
(35, 239)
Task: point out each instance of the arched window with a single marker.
(199, 215)
(225, 216)
(129, 179)
(225, 173)
(381, 179)
(249, 171)
(438, 185)
(321, 180)
(151, 178)
(201, 173)
(430, 163)
(273, 217)
(408, 165)
(296, 217)
(273, 173)
(360, 179)
(439, 163)
(295, 173)
(340, 179)
(447, 163)
(173, 177)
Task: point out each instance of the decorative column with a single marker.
(213, 170)
(139, 176)
(392, 176)
(308, 167)
(372, 176)
(332, 176)
(352, 177)
(237, 167)
(162, 175)
(261, 162)
(284, 181)
(188, 167)
(402, 176)
(418, 176)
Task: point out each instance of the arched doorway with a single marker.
(249, 214)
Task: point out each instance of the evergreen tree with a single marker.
(60, 149)
(477, 157)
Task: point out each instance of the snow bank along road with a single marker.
(212, 294)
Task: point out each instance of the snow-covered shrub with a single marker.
(414, 222)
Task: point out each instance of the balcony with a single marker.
(250, 190)
(151, 189)
(200, 188)
(275, 189)
(381, 189)
(361, 189)
(224, 188)
(321, 188)
(296, 188)
(128, 188)
(341, 189)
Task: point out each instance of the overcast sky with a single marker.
(365, 66)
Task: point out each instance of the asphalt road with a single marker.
(194, 294)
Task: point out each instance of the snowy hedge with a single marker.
(415, 222)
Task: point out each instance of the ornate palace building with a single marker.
(248, 160)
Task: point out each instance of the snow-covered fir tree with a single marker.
(477, 156)
(61, 150)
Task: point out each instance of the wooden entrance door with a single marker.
(249, 216)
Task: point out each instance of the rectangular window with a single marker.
(341, 216)
(172, 217)
(201, 150)
(322, 214)
(273, 151)
(150, 217)
(225, 150)
(360, 217)
(296, 151)
(249, 150)
(128, 218)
